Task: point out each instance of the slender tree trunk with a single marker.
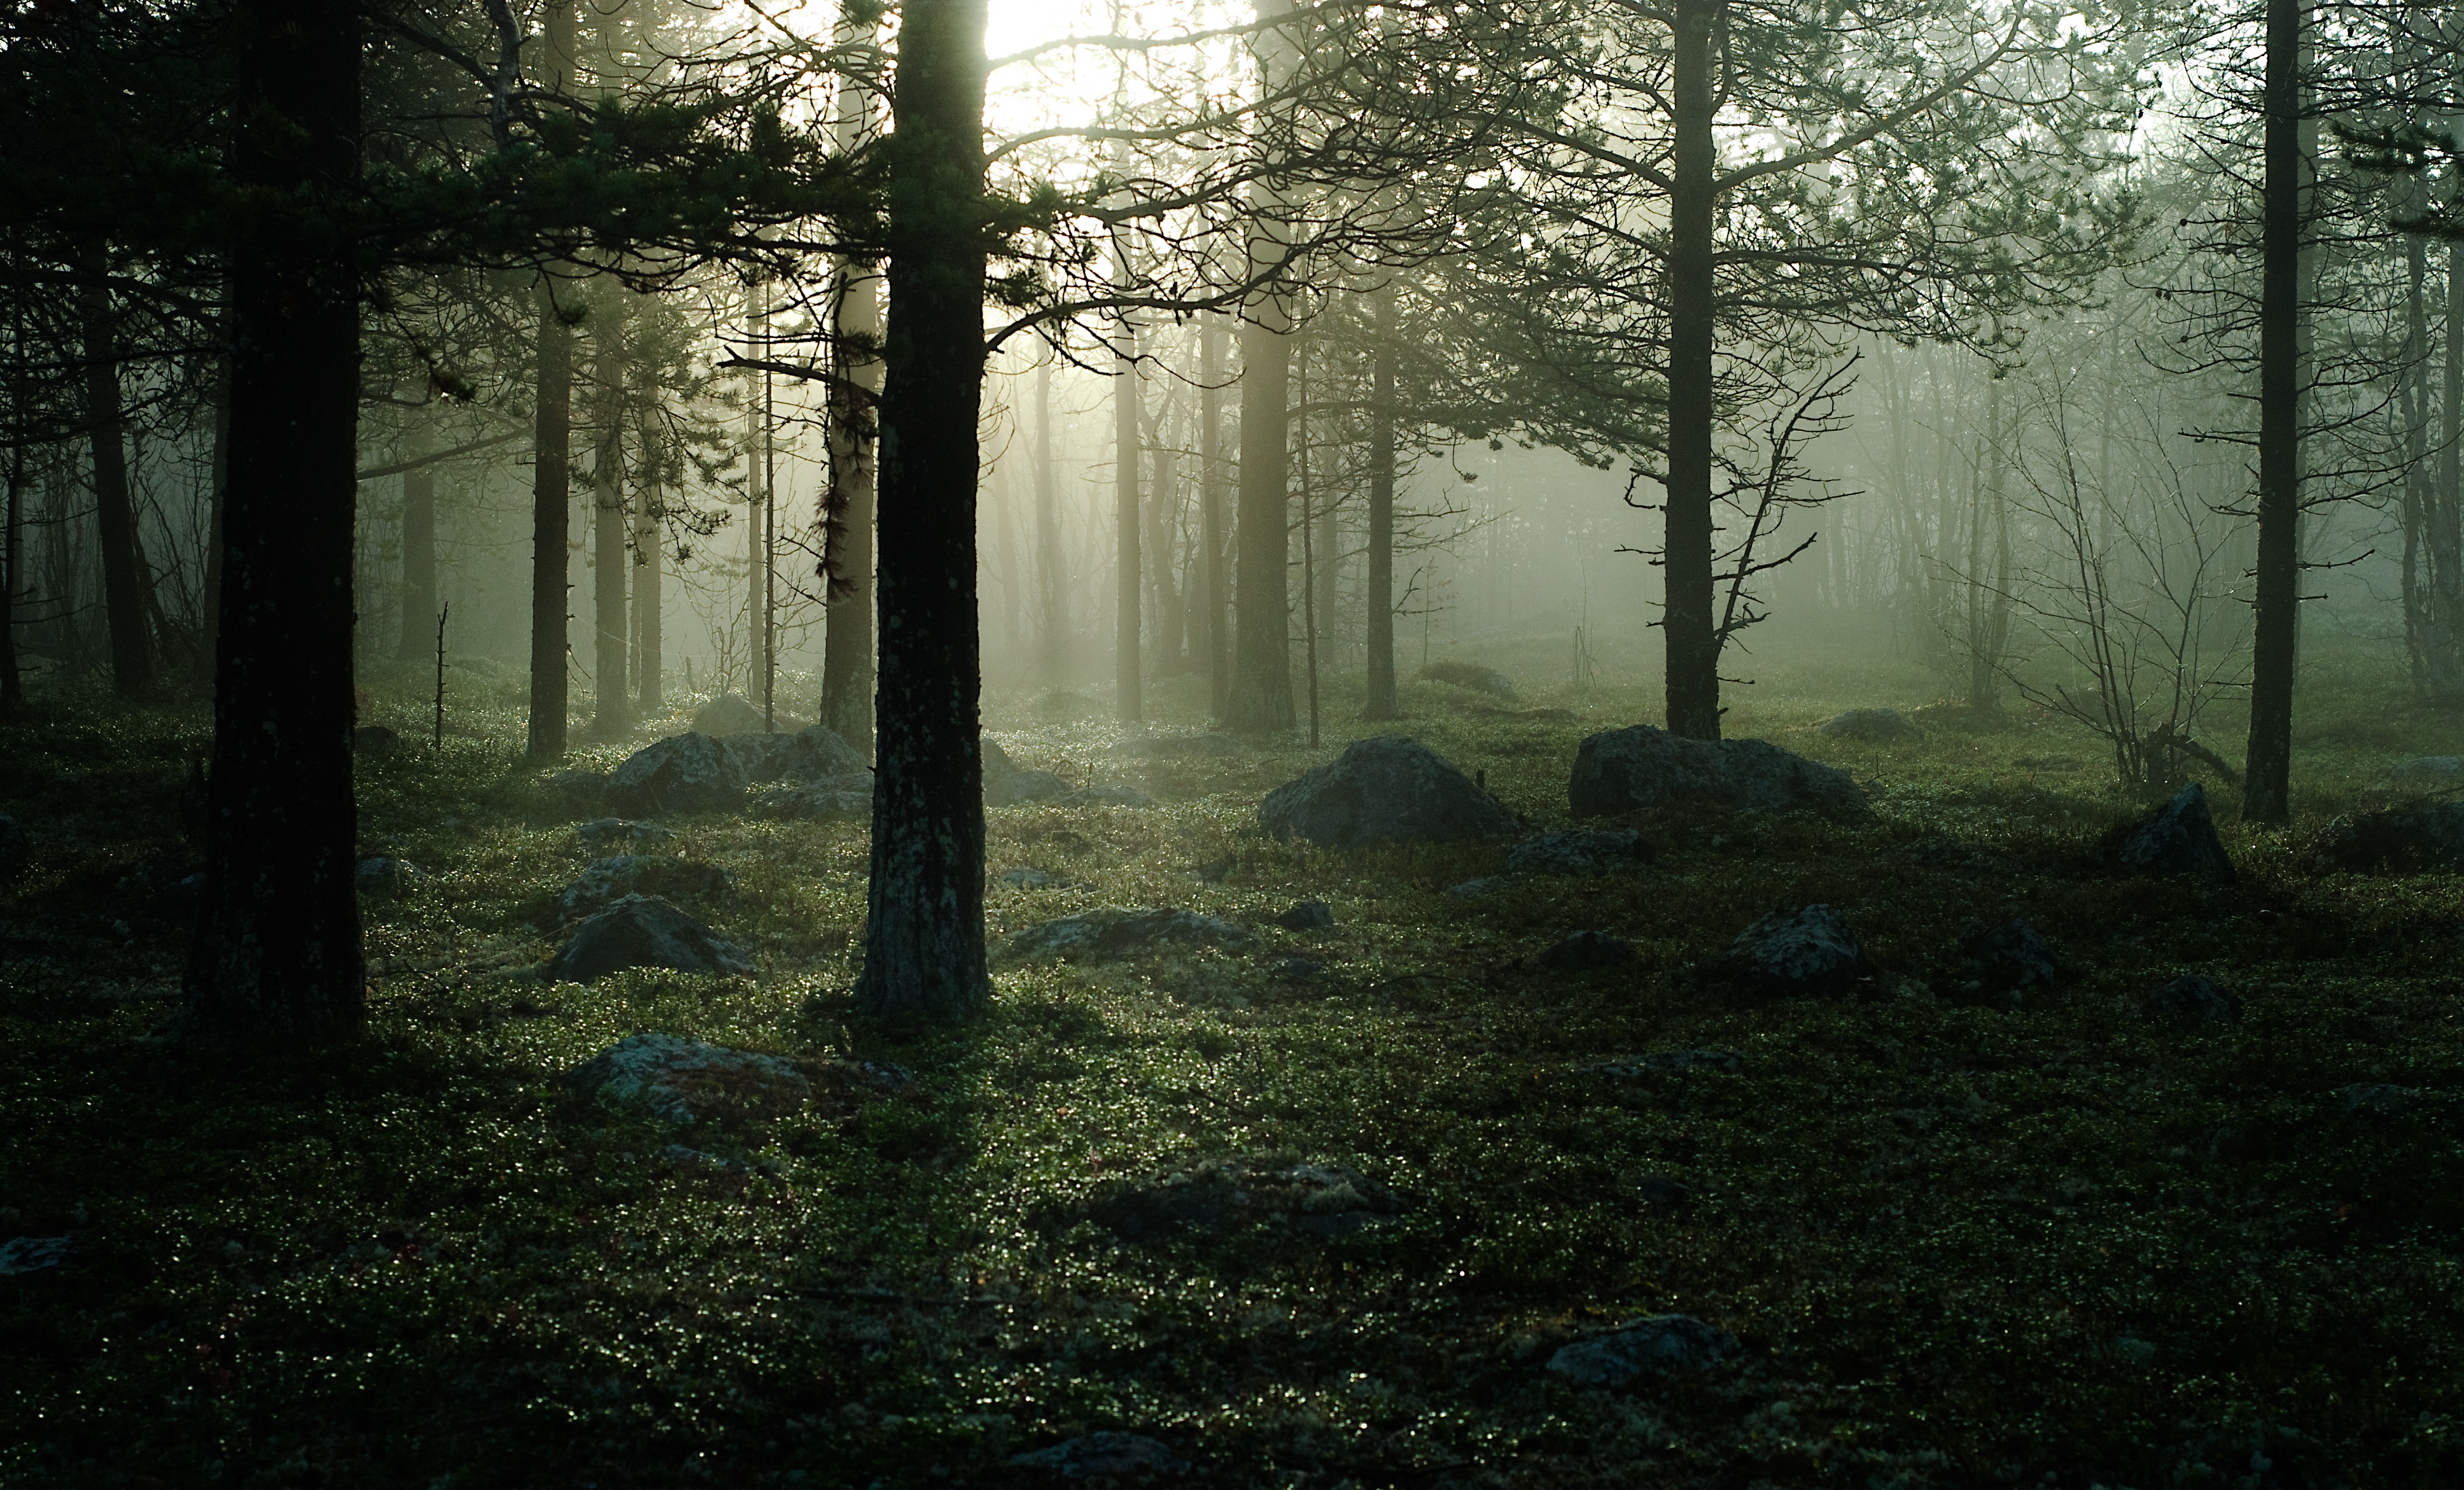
(276, 956)
(2447, 506)
(846, 641)
(649, 570)
(1162, 520)
(551, 527)
(1210, 501)
(1688, 617)
(2415, 405)
(924, 923)
(1047, 530)
(1126, 576)
(124, 571)
(1261, 667)
(221, 477)
(1308, 551)
(1380, 610)
(418, 640)
(2266, 790)
(612, 524)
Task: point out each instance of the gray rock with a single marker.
(1385, 790)
(601, 834)
(1875, 726)
(644, 931)
(1104, 1455)
(2426, 835)
(1098, 796)
(1218, 1196)
(1805, 952)
(996, 760)
(813, 753)
(32, 1253)
(1655, 1345)
(1110, 931)
(684, 1080)
(1580, 851)
(832, 798)
(2011, 959)
(1582, 952)
(1471, 674)
(607, 880)
(727, 714)
(683, 773)
(387, 878)
(1031, 879)
(2426, 775)
(2177, 839)
(1639, 768)
(1307, 916)
(2194, 997)
(1299, 970)
(1180, 747)
(16, 848)
(1480, 889)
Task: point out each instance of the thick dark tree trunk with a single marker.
(277, 957)
(611, 526)
(650, 573)
(221, 477)
(1126, 576)
(551, 525)
(1693, 641)
(1210, 525)
(123, 568)
(1382, 703)
(924, 922)
(418, 641)
(2267, 769)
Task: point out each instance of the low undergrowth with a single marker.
(1963, 1243)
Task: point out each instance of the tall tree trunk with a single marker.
(1693, 641)
(924, 922)
(1380, 609)
(13, 524)
(2447, 507)
(418, 640)
(650, 571)
(1210, 526)
(1162, 519)
(1261, 667)
(2268, 763)
(276, 956)
(846, 641)
(124, 570)
(551, 527)
(611, 526)
(1055, 608)
(220, 475)
(1127, 577)
(2415, 406)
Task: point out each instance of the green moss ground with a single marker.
(1966, 1245)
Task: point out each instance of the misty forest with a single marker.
(1317, 744)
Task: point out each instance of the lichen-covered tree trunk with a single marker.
(277, 957)
(924, 922)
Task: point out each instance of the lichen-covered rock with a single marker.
(2011, 959)
(1657, 1345)
(388, 879)
(813, 753)
(1809, 951)
(601, 834)
(2193, 996)
(1307, 916)
(1109, 1456)
(685, 1080)
(2176, 838)
(1640, 768)
(728, 715)
(1110, 931)
(1385, 789)
(607, 880)
(1583, 951)
(683, 773)
(644, 931)
(2426, 835)
(837, 798)
(1218, 1196)
(1580, 851)
(1873, 726)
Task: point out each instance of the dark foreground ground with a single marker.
(1963, 1244)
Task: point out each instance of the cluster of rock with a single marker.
(1643, 770)
(644, 931)
(685, 1080)
(609, 880)
(2176, 838)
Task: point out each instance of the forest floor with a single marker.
(1962, 1244)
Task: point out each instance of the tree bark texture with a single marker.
(1261, 665)
(924, 922)
(611, 527)
(1687, 617)
(846, 644)
(2268, 763)
(123, 567)
(1382, 702)
(1211, 518)
(277, 957)
(551, 527)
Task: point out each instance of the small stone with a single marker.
(681, 1079)
(387, 878)
(644, 931)
(31, 1253)
(1030, 879)
(601, 834)
(683, 773)
(1657, 1345)
(1579, 852)
(1659, 1190)
(1224, 1195)
(2177, 839)
(1110, 931)
(1104, 1455)
(1807, 952)
(1307, 916)
(1299, 970)
(1876, 726)
(1385, 790)
(1479, 889)
(2013, 959)
(2193, 996)
(1583, 951)
(607, 880)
